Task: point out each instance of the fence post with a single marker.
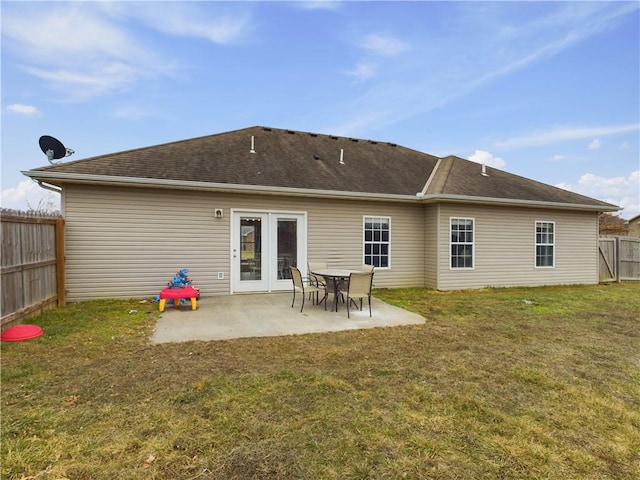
(60, 262)
(618, 259)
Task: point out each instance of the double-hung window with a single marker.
(377, 241)
(545, 244)
(462, 246)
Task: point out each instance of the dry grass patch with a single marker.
(499, 383)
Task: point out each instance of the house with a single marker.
(634, 226)
(237, 208)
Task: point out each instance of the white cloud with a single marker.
(595, 144)
(28, 195)
(621, 191)
(558, 158)
(363, 71)
(23, 109)
(544, 36)
(319, 4)
(213, 22)
(564, 134)
(85, 84)
(130, 112)
(87, 49)
(380, 45)
(384, 45)
(68, 34)
(77, 48)
(488, 159)
(449, 64)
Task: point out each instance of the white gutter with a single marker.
(517, 203)
(53, 188)
(303, 192)
(209, 186)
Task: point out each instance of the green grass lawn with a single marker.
(498, 383)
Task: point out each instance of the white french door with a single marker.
(263, 246)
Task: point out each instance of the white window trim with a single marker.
(536, 244)
(473, 244)
(364, 221)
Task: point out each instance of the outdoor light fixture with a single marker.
(218, 213)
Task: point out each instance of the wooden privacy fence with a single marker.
(31, 265)
(619, 259)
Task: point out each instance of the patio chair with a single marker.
(316, 266)
(316, 280)
(299, 286)
(366, 268)
(359, 287)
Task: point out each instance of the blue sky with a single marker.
(546, 90)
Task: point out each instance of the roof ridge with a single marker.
(336, 137)
(430, 179)
(440, 175)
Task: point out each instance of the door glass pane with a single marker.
(250, 248)
(287, 246)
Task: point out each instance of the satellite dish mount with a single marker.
(53, 148)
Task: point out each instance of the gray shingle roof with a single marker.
(303, 160)
(455, 176)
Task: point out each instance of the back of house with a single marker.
(238, 208)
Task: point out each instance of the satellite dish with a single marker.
(53, 148)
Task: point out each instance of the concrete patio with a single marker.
(263, 315)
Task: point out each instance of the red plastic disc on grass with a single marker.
(21, 332)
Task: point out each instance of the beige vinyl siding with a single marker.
(505, 248)
(128, 242)
(335, 235)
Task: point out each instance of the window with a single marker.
(376, 241)
(545, 243)
(461, 242)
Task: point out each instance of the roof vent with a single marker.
(316, 157)
(392, 144)
(291, 132)
(484, 171)
(333, 136)
(253, 145)
(266, 129)
(353, 139)
(373, 141)
(342, 156)
(313, 134)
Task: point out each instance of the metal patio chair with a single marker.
(299, 286)
(359, 287)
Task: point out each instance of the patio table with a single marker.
(334, 275)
